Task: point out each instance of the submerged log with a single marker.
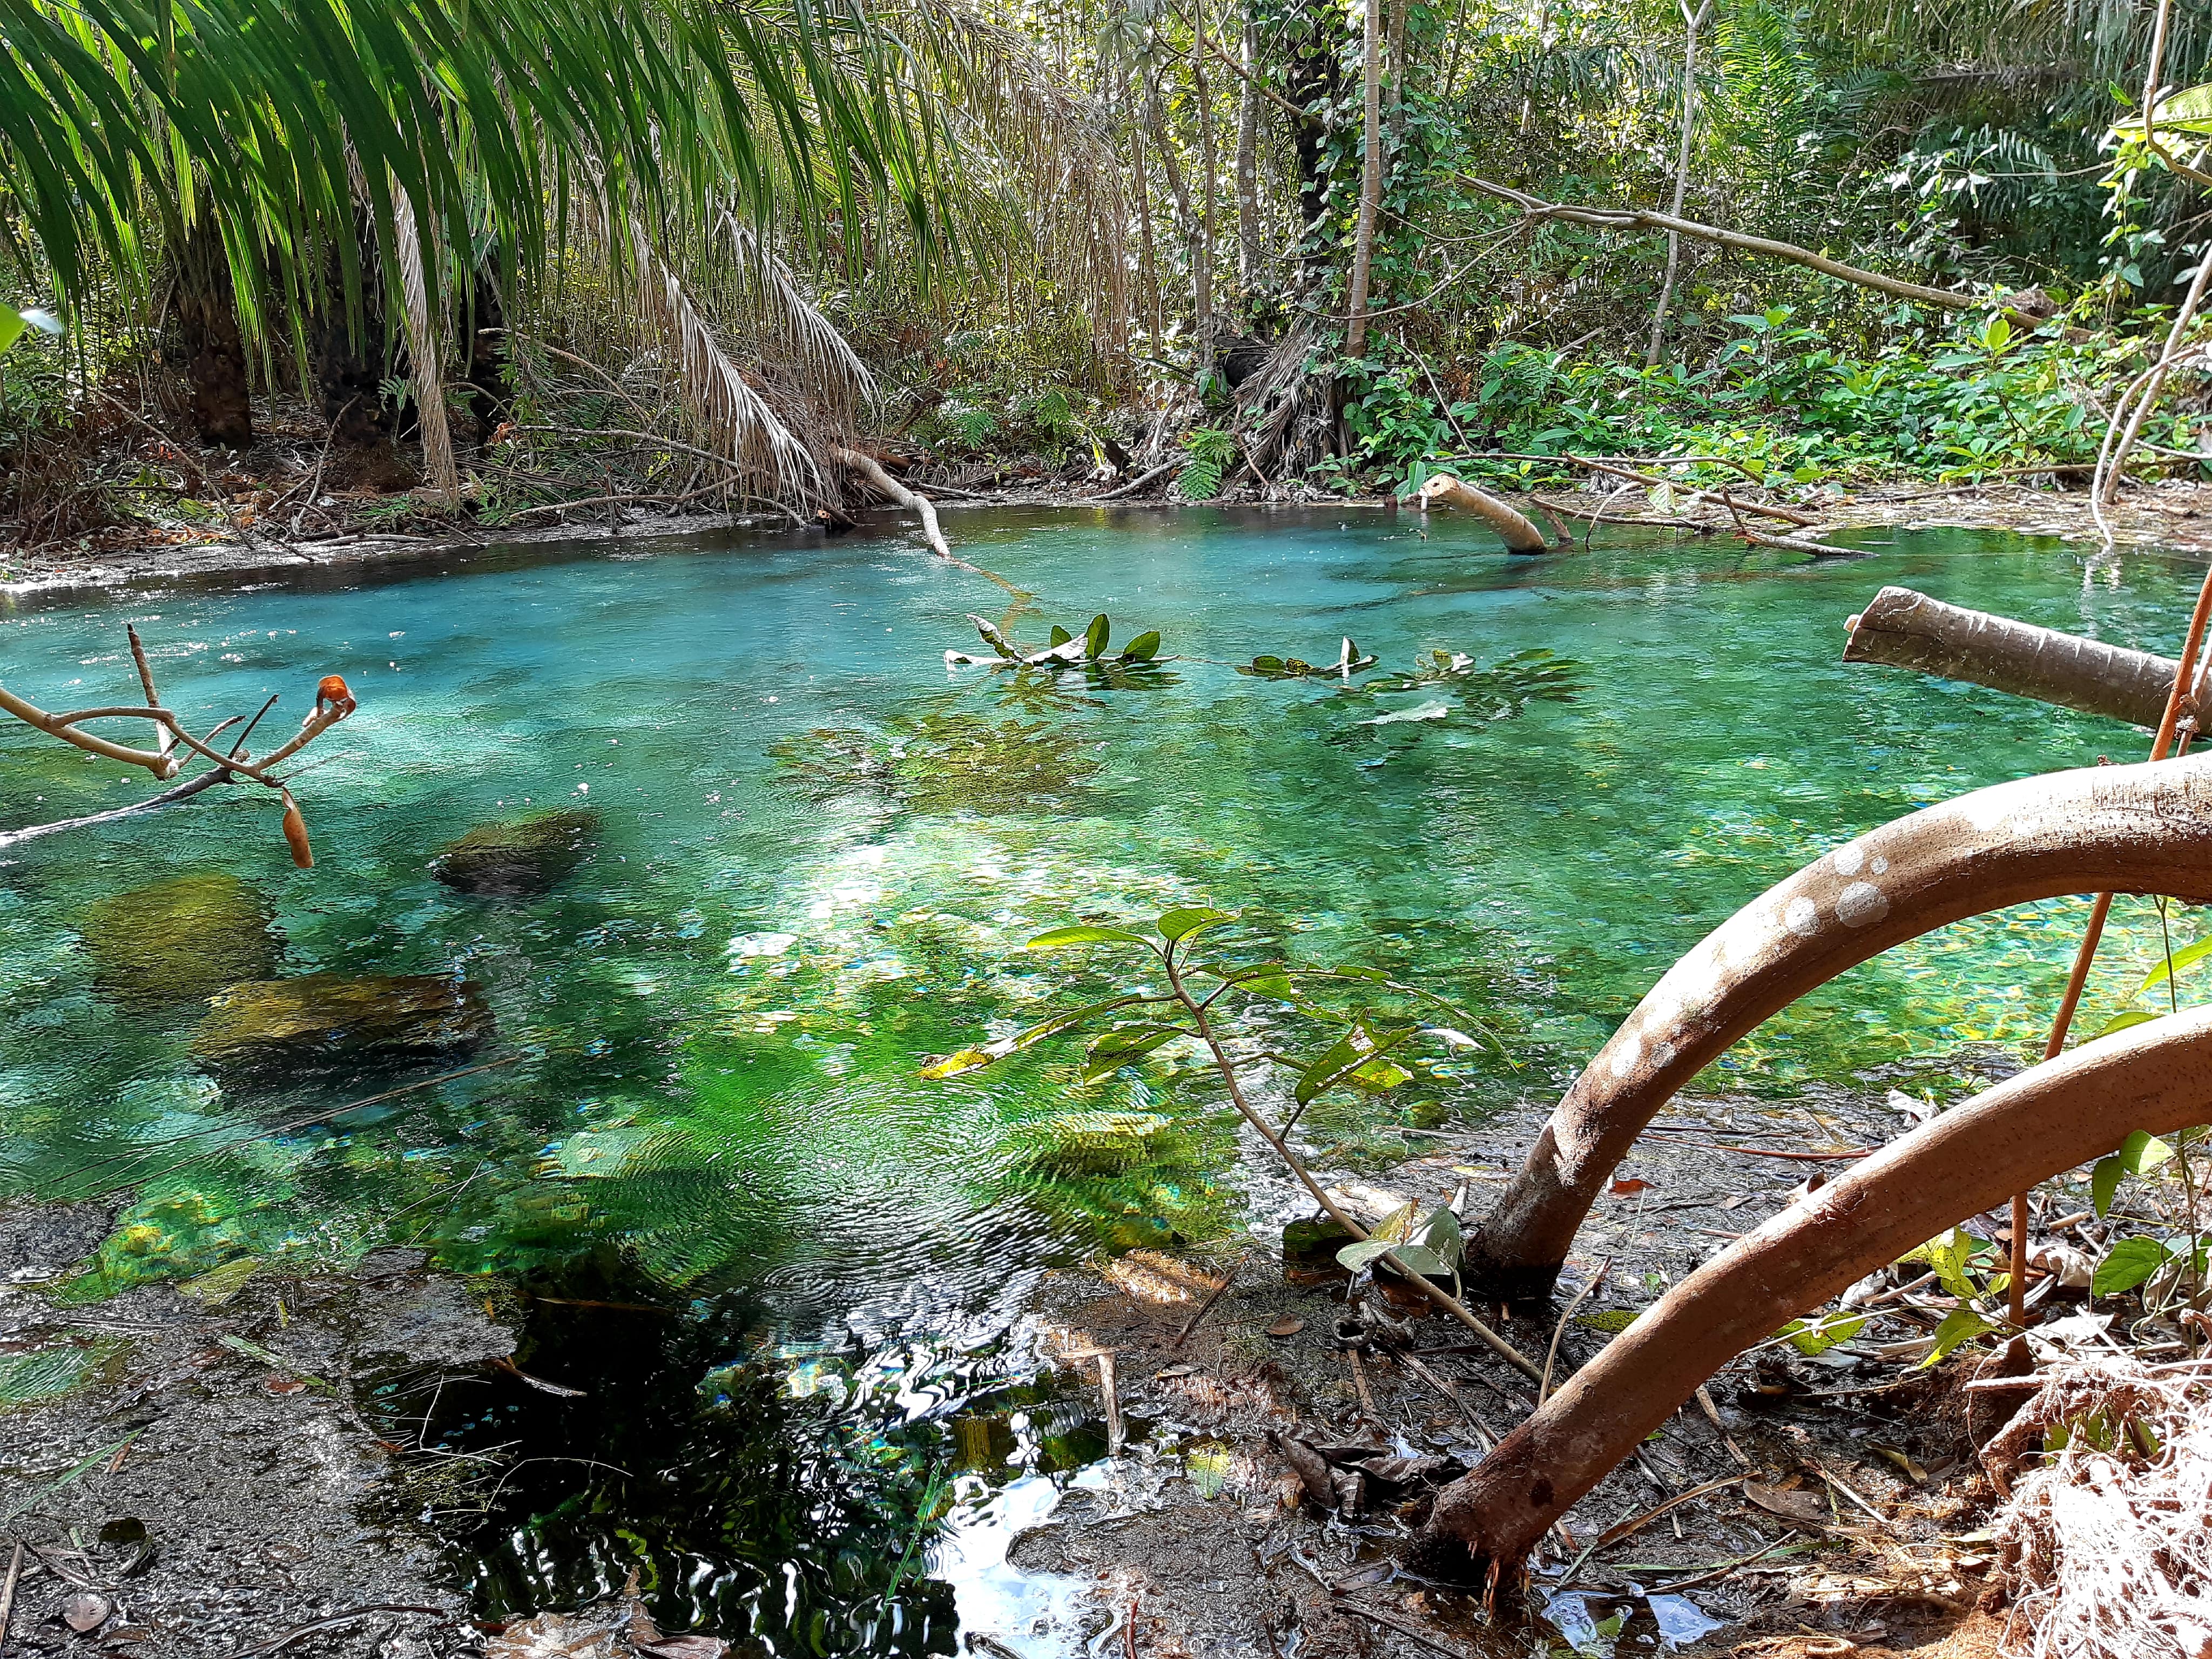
(1905, 630)
(2144, 828)
(2156, 1078)
(1519, 535)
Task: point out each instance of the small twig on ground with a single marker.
(1628, 1529)
(1366, 1395)
(1110, 1391)
(1129, 1627)
(1714, 1575)
(8, 1592)
(1552, 1354)
(1404, 1629)
(1207, 1306)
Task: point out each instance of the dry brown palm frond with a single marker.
(420, 314)
(1059, 185)
(835, 378)
(736, 419)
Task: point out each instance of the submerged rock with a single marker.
(180, 940)
(522, 859)
(323, 1020)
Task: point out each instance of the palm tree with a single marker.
(308, 166)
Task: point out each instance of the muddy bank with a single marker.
(192, 1474)
(356, 1461)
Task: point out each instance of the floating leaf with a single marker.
(1143, 648)
(1060, 635)
(1095, 637)
(963, 1060)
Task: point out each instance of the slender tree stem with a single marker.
(1227, 1068)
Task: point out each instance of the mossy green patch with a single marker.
(181, 940)
(522, 859)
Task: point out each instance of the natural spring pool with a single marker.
(816, 850)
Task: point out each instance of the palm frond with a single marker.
(735, 419)
(780, 309)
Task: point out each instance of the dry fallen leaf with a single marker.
(1807, 1508)
(1628, 1187)
(84, 1611)
(1286, 1328)
(1176, 1371)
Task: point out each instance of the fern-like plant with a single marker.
(1209, 452)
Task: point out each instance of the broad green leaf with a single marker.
(1397, 1227)
(2141, 1153)
(2189, 109)
(1095, 637)
(2104, 1182)
(2120, 1022)
(1115, 1049)
(1422, 1260)
(1058, 938)
(2128, 1263)
(1143, 648)
(1961, 1325)
(1441, 1233)
(11, 325)
(1817, 1336)
(2168, 968)
(1353, 1257)
(1182, 923)
(1948, 1255)
(1060, 635)
(1379, 1076)
(1345, 1057)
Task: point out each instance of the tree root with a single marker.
(2155, 1077)
(2144, 828)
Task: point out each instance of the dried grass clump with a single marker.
(2108, 1543)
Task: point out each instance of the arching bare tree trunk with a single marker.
(2144, 828)
(2156, 1078)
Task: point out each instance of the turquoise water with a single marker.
(720, 1017)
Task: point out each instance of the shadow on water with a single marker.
(793, 1500)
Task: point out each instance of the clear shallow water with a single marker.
(721, 1015)
(718, 1020)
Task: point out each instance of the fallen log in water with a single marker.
(1519, 535)
(1905, 630)
(895, 493)
(2144, 828)
(2155, 1077)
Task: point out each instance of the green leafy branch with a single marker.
(1127, 1027)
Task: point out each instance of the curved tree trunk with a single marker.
(1520, 536)
(2144, 828)
(1905, 630)
(2156, 1078)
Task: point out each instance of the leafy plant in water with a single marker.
(1137, 665)
(1184, 1000)
(1349, 661)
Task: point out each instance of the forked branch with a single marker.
(333, 702)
